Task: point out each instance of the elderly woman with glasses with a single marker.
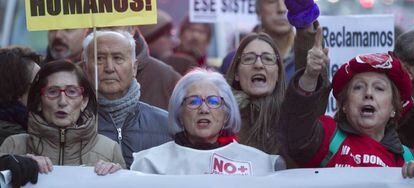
(62, 123)
(204, 117)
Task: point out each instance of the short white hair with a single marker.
(102, 33)
(194, 76)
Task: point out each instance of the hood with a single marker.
(45, 138)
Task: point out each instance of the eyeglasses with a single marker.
(70, 91)
(194, 101)
(251, 58)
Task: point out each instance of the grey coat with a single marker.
(143, 128)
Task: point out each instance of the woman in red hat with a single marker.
(372, 92)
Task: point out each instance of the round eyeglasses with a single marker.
(250, 58)
(194, 101)
(54, 92)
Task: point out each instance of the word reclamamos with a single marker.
(70, 7)
(347, 38)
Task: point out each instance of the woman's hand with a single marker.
(317, 60)
(44, 163)
(103, 168)
(408, 170)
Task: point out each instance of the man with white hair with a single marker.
(122, 117)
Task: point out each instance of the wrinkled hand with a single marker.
(408, 170)
(103, 168)
(317, 58)
(44, 163)
(23, 169)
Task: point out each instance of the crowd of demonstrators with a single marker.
(65, 44)
(61, 128)
(207, 113)
(194, 40)
(18, 67)
(373, 92)
(134, 124)
(404, 48)
(257, 78)
(203, 116)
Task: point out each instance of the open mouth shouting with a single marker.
(258, 79)
(367, 111)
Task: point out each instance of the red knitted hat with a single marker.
(385, 63)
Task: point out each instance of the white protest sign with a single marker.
(69, 177)
(349, 36)
(213, 11)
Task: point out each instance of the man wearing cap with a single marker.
(194, 40)
(159, 37)
(372, 92)
(160, 41)
(404, 50)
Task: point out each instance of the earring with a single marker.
(393, 114)
(344, 109)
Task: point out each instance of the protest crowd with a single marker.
(141, 100)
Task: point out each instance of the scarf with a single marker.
(118, 109)
(14, 112)
(225, 138)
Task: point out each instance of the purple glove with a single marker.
(301, 13)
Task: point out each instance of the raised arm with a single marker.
(301, 134)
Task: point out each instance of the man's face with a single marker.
(116, 68)
(66, 43)
(162, 47)
(273, 15)
(195, 37)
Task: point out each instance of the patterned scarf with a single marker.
(118, 109)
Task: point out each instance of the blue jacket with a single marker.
(143, 128)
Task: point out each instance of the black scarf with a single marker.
(14, 112)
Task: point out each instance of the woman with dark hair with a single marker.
(62, 127)
(257, 78)
(18, 67)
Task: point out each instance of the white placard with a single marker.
(69, 177)
(349, 36)
(214, 11)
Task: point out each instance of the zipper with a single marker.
(119, 135)
(62, 146)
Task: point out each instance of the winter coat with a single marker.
(7, 129)
(143, 128)
(306, 134)
(156, 78)
(78, 145)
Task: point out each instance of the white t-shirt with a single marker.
(232, 159)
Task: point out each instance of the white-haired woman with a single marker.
(204, 117)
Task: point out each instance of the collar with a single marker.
(391, 140)
(224, 139)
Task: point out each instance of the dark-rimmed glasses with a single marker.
(194, 101)
(54, 92)
(250, 58)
